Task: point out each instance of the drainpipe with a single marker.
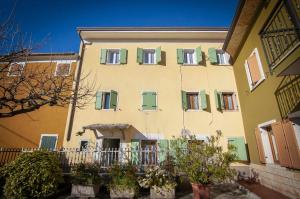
(73, 106)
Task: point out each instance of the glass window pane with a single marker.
(106, 100)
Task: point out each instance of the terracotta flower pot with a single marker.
(200, 191)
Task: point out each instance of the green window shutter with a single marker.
(212, 55)
(48, 142)
(163, 149)
(103, 56)
(113, 99)
(98, 104)
(203, 99)
(135, 146)
(199, 55)
(139, 55)
(184, 100)
(217, 100)
(221, 100)
(149, 101)
(180, 56)
(240, 146)
(158, 55)
(123, 56)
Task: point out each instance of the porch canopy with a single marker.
(106, 126)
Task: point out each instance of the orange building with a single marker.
(46, 125)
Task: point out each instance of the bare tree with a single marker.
(27, 89)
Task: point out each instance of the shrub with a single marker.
(205, 162)
(32, 175)
(123, 176)
(86, 174)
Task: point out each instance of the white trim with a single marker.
(199, 106)
(154, 58)
(62, 62)
(260, 67)
(234, 95)
(84, 140)
(50, 135)
(194, 57)
(109, 91)
(19, 63)
(113, 49)
(268, 123)
(142, 99)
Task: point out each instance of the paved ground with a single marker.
(263, 192)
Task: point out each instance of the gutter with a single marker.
(73, 106)
(137, 29)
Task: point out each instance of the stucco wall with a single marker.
(259, 105)
(131, 79)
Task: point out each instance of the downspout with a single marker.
(72, 113)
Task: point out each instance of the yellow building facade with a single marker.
(171, 82)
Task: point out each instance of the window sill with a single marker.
(149, 64)
(150, 110)
(190, 65)
(107, 109)
(193, 110)
(112, 64)
(252, 88)
(235, 110)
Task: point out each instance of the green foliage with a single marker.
(86, 174)
(204, 162)
(32, 175)
(158, 177)
(123, 176)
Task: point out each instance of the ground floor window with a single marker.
(149, 152)
(83, 145)
(48, 141)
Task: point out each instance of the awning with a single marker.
(106, 126)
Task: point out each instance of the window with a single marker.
(149, 155)
(16, 69)
(149, 101)
(226, 100)
(192, 101)
(83, 145)
(254, 69)
(149, 56)
(189, 56)
(106, 100)
(48, 141)
(223, 57)
(62, 69)
(113, 57)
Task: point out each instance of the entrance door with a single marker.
(110, 153)
(272, 144)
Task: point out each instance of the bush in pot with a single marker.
(32, 175)
(204, 162)
(161, 182)
(123, 182)
(85, 180)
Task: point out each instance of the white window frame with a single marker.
(199, 102)
(62, 62)
(154, 58)
(109, 91)
(83, 140)
(225, 55)
(194, 57)
(9, 70)
(113, 49)
(50, 135)
(142, 100)
(234, 98)
(263, 77)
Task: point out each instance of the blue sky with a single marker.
(57, 20)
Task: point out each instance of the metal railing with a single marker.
(69, 157)
(288, 94)
(280, 35)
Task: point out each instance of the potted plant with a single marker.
(123, 181)
(204, 162)
(160, 181)
(85, 180)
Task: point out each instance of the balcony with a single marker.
(281, 34)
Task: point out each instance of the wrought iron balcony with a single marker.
(281, 33)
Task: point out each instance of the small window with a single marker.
(149, 152)
(189, 56)
(16, 69)
(113, 56)
(83, 145)
(106, 100)
(62, 69)
(48, 142)
(229, 101)
(149, 101)
(254, 69)
(223, 57)
(149, 56)
(192, 101)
